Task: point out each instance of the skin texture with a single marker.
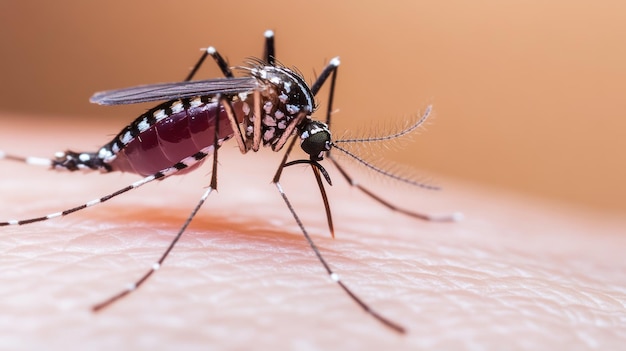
(517, 273)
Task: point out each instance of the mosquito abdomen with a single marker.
(167, 134)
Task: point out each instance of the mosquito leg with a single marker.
(221, 63)
(212, 186)
(334, 276)
(36, 161)
(256, 124)
(132, 287)
(269, 54)
(185, 163)
(457, 216)
(330, 68)
(235, 125)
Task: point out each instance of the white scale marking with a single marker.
(275, 80)
(292, 109)
(143, 125)
(38, 161)
(269, 121)
(126, 138)
(269, 134)
(54, 215)
(159, 115)
(93, 202)
(195, 102)
(177, 107)
(283, 98)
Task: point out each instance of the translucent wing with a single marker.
(170, 91)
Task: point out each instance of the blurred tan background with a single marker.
(528, 95)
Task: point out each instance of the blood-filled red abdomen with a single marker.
(171, 137)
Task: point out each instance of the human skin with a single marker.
(516, 273)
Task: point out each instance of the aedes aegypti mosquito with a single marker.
(266, 106)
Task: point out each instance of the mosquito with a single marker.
(270, 105)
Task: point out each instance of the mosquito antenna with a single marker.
(385, 172)
(401, 133)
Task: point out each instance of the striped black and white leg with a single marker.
(185, 163)
(64, 160)
(333, 276)
(331, 68)
(212, 186)
(268, 55)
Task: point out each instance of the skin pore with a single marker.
(517, 273)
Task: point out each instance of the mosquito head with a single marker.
(315, 139)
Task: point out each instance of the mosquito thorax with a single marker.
(290, 88)
(315, 139)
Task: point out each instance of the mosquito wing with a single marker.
(171, 91)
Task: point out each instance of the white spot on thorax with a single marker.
(283, 98)
(292, 109)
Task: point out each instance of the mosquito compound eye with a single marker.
(315, 139)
